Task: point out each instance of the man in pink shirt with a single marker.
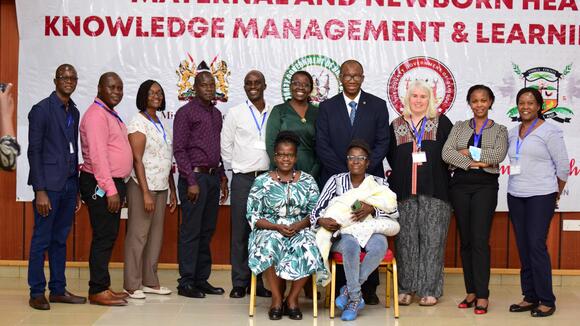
(107, 161)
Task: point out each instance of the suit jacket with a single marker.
(334, 133)
(48, 145)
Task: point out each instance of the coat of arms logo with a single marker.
(186, 76)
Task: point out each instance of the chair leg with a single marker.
(314, 297)
(252, 295)
(332, 288)
(395, 288)
(388, 294)
(327, 296)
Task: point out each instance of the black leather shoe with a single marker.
(238, 292)
(39, 303)
(294, 313)
(539, 313)
(207, 288)
(190, 292)
(262, 292)
(517, 308)
(275, 313)
(67, 297)
(371, 298)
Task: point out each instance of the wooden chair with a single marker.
(253, 296)
(389, 262)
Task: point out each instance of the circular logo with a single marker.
(430, 70)
(324, 72)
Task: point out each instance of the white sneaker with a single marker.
(162, 290)
(137, 294)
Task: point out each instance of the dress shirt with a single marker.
(196, 139)
(337, 185)
(348, 100)
(105, 147)
(243, 138)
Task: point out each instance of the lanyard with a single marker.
(476, 135)
(156, 127)
(69, 119)
(258, 126)
(419, 135)
(520, 143)
(113, 113)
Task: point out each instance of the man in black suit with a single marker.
(352, 114)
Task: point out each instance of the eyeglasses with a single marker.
(356, 78)
(354, 158)
(67, 78)
(152, 94)
(299, 84)
(285, 155)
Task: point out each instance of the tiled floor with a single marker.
(221, 310)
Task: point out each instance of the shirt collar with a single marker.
(348, 100)
(55, 100)
(197, 102)
(253, 107)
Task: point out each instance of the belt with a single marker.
(205, 170)
(254, 173)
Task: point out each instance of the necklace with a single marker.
(303, 120)
(289, 181)
(289, 202)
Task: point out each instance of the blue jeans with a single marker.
(50, 234)
(357, 272)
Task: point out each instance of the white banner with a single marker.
(452, 44)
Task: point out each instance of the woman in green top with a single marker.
(299, 116)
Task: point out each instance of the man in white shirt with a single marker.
(243, 146)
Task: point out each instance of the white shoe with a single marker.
(162, 290)
(137, 294)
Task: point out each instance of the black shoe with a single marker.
(207, 288)
(238, 292)
(39, 303)
(294, 313)
(261, 291)
(538, 313)
(190, 292)
(371, 298)
(517, 308)
(275, 313)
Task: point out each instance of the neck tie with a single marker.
(352, 105)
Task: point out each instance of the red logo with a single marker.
(430, 70)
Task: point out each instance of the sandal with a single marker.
(405, 299)
(428, 301)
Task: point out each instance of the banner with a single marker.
(451, 44)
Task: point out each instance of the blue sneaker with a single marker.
(352, 310)
(342, 299)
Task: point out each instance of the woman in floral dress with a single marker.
(281, 244)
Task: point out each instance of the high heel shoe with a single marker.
(466, 304)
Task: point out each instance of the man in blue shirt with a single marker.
(53, 159)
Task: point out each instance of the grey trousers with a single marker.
(420, 245)
(144, 238)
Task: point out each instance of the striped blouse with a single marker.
(494, 145)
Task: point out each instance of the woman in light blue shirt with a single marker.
(539, 168)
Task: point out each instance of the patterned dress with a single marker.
(292, 257)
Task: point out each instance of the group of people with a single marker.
(281, 157)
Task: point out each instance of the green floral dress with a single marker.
(295, 257)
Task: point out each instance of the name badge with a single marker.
(515, 169)
(261, 145)
(475, 153)
(419, 157)
(99, 192)
(71, 148)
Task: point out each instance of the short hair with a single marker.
(143, 95)
(419, 84)
(536, 94)
(359, 143)
(287, 137)
(351, 61)
(64, 66)
(256, 72)
(107, 75)
(304, 73)
(480, 88)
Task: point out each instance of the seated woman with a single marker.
(281, 244)
(349, 245)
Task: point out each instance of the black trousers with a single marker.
(474, 205)
(531, 218)
(240, 229)
(105, 227)
(198, 223)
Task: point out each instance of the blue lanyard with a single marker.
(258, 126)
(156, 127)
(476, 135)
(419, 136)
(520, 143)
(69, 119)
(113, 113)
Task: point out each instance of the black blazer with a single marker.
(48, 146)
(334, 133)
